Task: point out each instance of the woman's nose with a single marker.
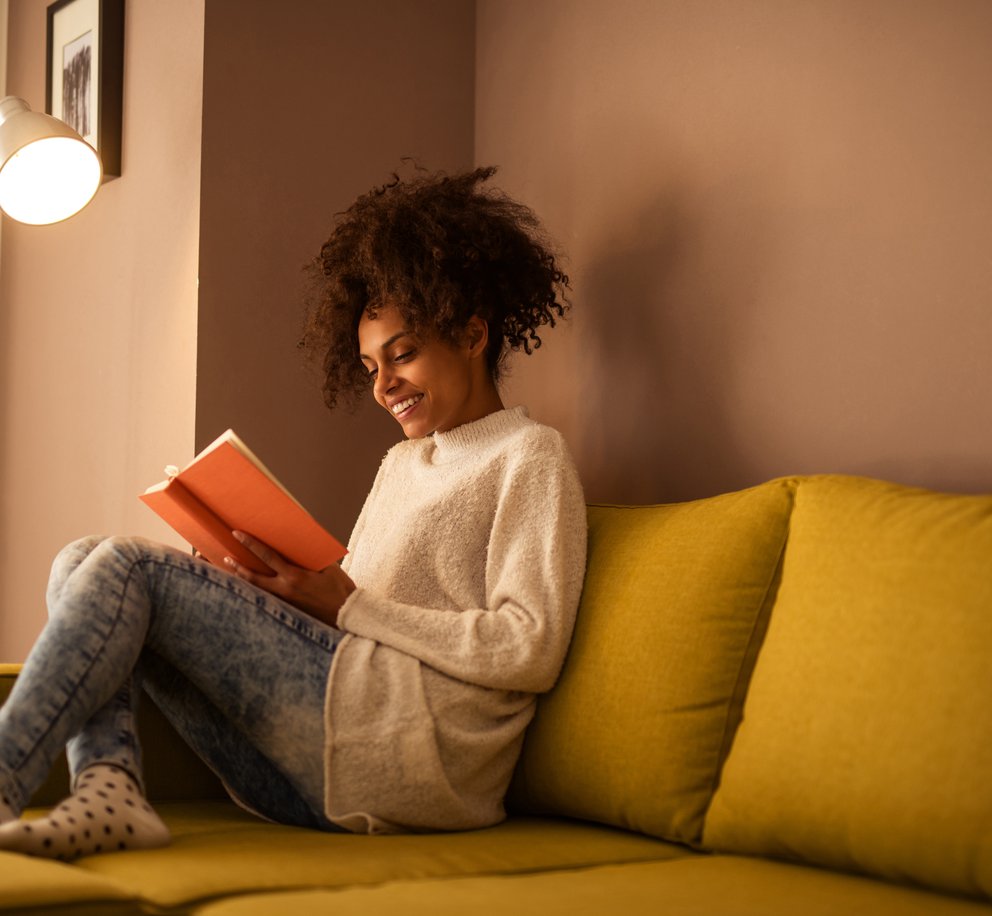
(384, 381)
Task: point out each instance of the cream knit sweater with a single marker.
(469, 556)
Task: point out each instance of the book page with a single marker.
(235, 440)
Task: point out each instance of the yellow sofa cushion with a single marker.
(867, 735)
(218, 851)
(695, 886)
(29, 885)
(673, 606)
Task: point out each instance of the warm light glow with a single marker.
(49, 180)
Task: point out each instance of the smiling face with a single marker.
(428, 385)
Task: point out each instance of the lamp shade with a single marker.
(47, 171)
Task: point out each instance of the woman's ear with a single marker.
(476, 336)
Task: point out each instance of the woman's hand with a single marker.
(320, 594)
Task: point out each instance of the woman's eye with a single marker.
(404, 357)
(372, 374)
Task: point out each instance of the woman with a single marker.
(390, 693)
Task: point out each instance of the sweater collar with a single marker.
(475, 435)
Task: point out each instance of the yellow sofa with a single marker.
(777, 701)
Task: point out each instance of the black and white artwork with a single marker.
(84, 48)
(77, 76)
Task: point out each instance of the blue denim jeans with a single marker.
(239, 673)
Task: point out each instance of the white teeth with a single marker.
(403, 405)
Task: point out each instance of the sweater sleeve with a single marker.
(535, 564)
(360, 522)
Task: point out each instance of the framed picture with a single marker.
(85, 81)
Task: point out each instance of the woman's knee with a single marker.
(130, 546)
(76, 551)
(100, 557)
(65, 563)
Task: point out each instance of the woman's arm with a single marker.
(320, 594)
(533, 577)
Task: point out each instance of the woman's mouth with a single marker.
(402, 408)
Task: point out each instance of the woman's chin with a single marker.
(415, 430)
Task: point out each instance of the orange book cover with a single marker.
(226, 488)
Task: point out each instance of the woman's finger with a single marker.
(273, 584)
(265, 553)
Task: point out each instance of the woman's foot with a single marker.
(106, 813)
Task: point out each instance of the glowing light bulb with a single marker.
(49, 180)
(47, 171)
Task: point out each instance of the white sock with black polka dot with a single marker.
(106, 813)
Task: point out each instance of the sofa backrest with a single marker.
(848, 621)
(867, 736)
(675, 602)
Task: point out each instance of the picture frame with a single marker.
(84, 85)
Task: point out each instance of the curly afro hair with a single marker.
(441, 249)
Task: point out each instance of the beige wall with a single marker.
(98, 318)
(3, 47)
(170, 308)
(779, 214)
(306, 106)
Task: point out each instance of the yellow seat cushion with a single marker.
(867, 735)
(218, 850)
(695, 886)
(673, 607)
(29, 885)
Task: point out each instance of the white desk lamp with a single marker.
(47, 171)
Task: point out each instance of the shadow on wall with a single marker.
(665, 298)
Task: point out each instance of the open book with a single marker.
(226, 488)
